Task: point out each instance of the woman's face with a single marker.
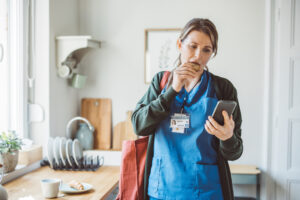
(196, 48)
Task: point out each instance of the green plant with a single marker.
(9, 142)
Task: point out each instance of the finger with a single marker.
(184, 76)
(225, 115)
(215, 123)
(211, 127)
(218, 135)
(186, 71)
(207, 129)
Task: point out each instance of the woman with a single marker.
(189, 160)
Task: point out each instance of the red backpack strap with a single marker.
(164, 79)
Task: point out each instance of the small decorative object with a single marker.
(10, 145)
(160, 51)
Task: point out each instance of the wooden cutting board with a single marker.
(123, 131)
(98, 112)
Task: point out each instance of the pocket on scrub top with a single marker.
(178, 175)
(207, 175)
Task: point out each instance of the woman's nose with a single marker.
(198, 54)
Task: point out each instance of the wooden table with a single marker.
(104, 180)
(246, 174)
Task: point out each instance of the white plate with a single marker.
(56, 150)
(50, 151)
(67, 189)
(69, 151)
(77, 151)
(62, 150)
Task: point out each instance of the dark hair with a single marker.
(202, 25)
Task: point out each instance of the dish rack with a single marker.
(86, 163)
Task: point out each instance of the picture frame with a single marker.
(160, 51)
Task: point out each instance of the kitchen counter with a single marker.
(104, 180)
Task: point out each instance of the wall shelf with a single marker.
(70, 50)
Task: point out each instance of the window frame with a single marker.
(18, 46)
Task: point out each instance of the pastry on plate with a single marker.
(76, 185)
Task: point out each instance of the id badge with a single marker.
(179, 122)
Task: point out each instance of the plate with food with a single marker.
(75, 187)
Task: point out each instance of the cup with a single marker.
(78, 80)
(50, 187)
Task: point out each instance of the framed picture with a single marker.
(160, 51)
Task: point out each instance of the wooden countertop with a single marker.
(104, 180)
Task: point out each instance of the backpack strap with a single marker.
(164, 79)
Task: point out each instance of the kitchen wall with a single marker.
(117, 69)
(64, 20)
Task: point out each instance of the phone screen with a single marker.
(228, 106)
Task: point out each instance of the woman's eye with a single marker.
(193, 46)
(206, 50)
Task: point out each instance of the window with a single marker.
(13, 65)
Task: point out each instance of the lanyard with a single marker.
(184, 100)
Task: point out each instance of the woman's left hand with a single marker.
(222, 132)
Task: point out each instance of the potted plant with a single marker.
(10, 145)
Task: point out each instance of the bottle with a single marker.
(85, 136)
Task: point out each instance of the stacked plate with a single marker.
(64, 152)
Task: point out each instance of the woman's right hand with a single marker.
(181, 73)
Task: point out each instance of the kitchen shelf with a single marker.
(70, 50)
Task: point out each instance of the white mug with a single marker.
(50, 187)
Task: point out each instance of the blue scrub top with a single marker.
(184, 166)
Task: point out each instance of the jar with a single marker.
(85, 136)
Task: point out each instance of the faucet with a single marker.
(68, 129)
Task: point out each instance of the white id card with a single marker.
(179, 122)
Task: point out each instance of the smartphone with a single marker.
(228, 106)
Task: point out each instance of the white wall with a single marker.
(64, 20)
(117, 69)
